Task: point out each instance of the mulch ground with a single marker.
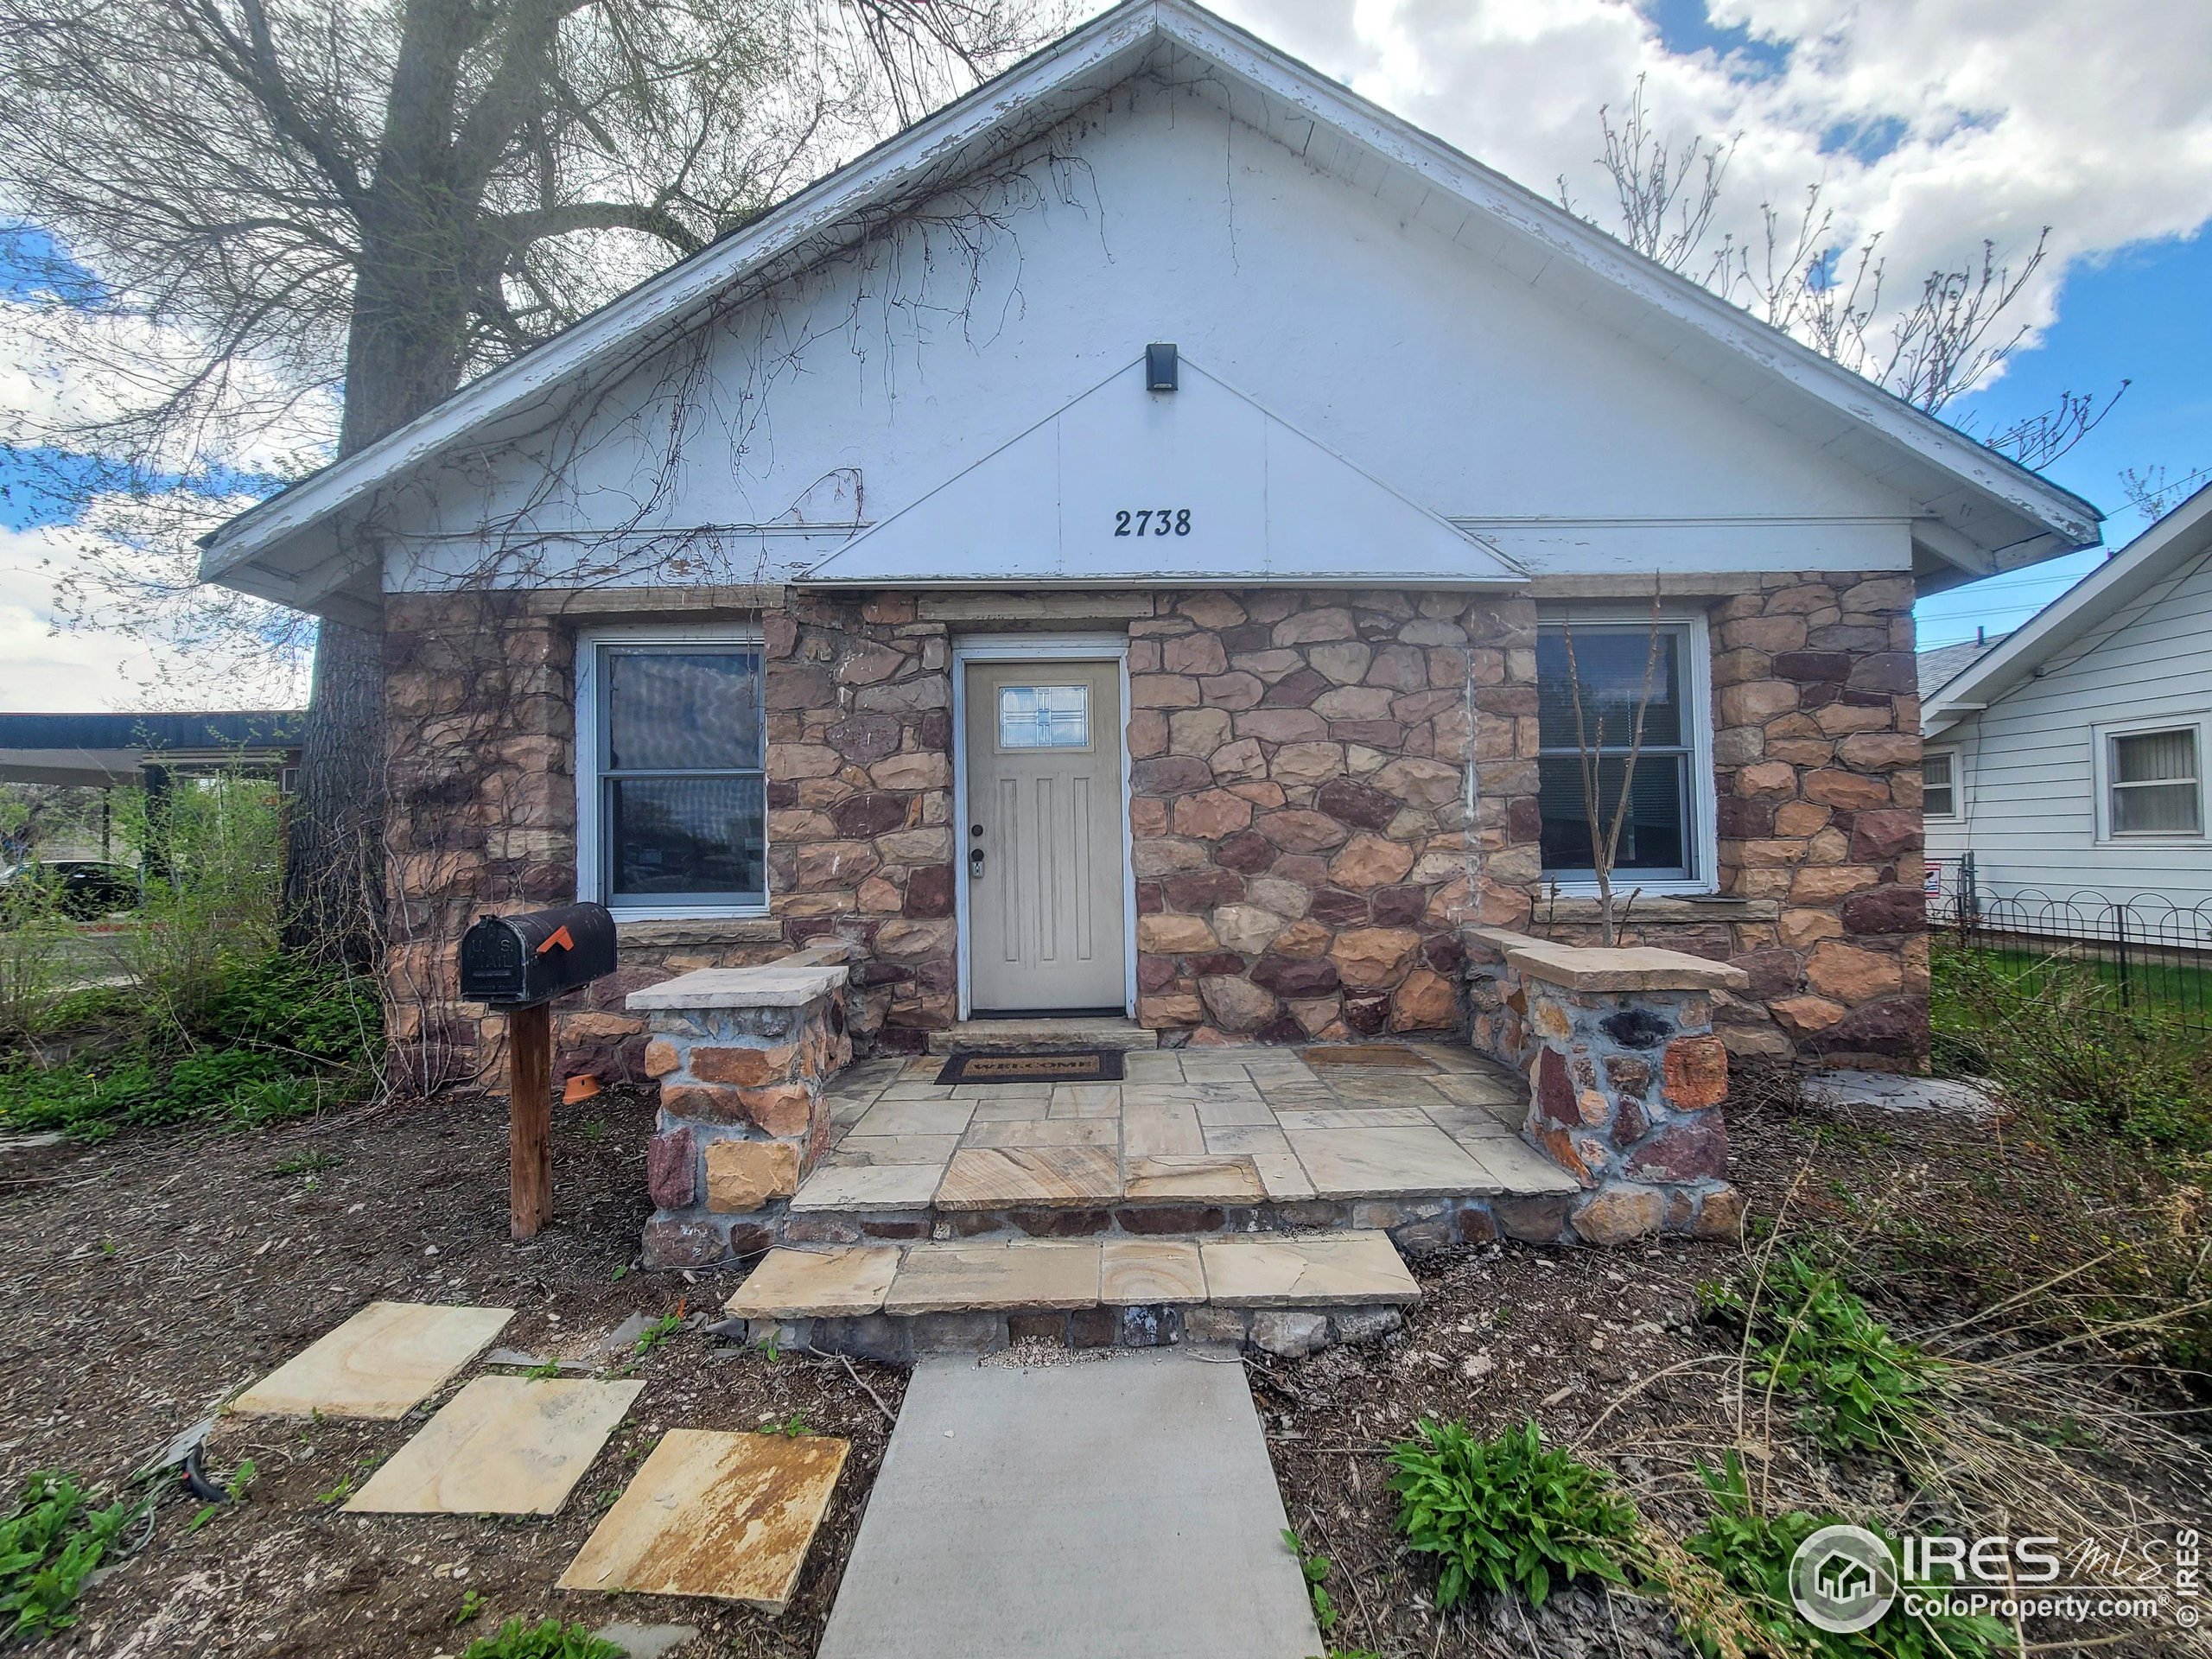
(152, 1276)
(1605, 1350)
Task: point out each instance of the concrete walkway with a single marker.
(1111, 1508)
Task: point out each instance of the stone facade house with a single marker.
(1119, 547)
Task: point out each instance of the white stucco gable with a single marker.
(1199, 484)
(1157, 175)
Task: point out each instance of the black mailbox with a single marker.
(514, 961)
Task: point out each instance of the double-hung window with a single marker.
(1938, 783)
(671, 775)
(2154, 782)
(1664, 838)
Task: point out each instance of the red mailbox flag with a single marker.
(559, 940)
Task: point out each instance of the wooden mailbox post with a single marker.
(519, 964)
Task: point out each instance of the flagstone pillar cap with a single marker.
(772, 985)
(1622, 968)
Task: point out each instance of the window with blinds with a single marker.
(2152, 783)
(682, 795)
(1658, 836)
(1938, 783)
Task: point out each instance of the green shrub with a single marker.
(1752, 1552)
(1857, 1387)
(550, 1640)
(2059, 1037)
(276, 1039)
(50, 1544)
(1507, 1513)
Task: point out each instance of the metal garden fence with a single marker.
(2141, 953)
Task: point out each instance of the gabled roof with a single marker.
(1236, 492)
(2162, 555)
(1983, 513)
(1938, 665)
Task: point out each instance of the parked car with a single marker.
(84, 889)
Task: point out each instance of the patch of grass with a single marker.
(50, 1544)
(792, 1426)
(1315, 1569)
(2056, 1036)
(1751, 1553)
(1509, 1514)
(549, 1639)
(235, 1488)
(1857, 1389)
(655, 1334)
(276, 1039)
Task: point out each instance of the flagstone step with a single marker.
(1001, 1036)
(1284, 1292)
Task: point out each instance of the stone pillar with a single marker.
(742, 1055)
(1626, 1077)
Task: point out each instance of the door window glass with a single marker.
(1044, 716)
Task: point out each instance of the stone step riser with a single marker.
(900, 1339)
(1416, 1226)
(1016, 1036)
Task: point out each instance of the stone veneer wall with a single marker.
(1625, 1076)
(479, 722)
(1328, 784)
(1325, 783)
(742, 1065)
(1817, 751)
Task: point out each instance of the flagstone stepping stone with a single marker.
(966, 1278)
(862, 1187)
(1393, 1161)
(992, 1177)
(1203, 1179)
(1139, 1272)
(1309, 1270)
(815, 1284)
(714, 1513)
(645, 1641)
(383, 1363)
(502, 1446)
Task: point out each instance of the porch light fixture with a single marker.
(1159, 368)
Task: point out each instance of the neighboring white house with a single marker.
(2071, 758)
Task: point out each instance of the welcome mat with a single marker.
(1039, 1066)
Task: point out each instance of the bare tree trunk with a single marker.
(404, 353)
(334, 871)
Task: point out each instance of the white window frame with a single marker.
(590, 885)
(2196, 722)
(1697, 696)
(1957, 758)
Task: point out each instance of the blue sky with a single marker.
(2139, 315)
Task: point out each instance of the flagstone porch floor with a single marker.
(1257, 1126)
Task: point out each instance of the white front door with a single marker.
(1041, 840)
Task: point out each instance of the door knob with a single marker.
(974, 863)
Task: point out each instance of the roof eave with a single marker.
(2184, 533)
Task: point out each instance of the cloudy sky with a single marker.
(1934, 123)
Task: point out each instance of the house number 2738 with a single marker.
(1153, 521)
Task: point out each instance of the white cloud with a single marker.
(41, 669)
(2089, 118)
(124, 632)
